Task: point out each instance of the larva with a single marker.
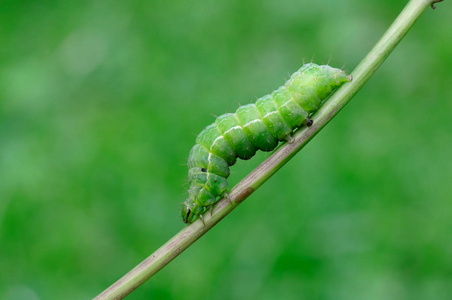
(253, 127)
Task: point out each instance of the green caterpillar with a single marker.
(253, 127)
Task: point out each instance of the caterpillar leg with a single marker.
(202, 220)
(226, 196)
(289, 138)
(308, 122)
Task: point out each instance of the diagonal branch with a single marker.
(270, 166)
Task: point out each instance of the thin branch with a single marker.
(270, 166)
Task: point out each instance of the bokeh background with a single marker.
(101, 102)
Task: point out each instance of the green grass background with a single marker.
(101, 101)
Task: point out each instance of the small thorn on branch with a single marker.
(436, 1)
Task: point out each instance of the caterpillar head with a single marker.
(187, 214)
(190, 211)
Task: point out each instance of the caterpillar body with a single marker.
(253, 127)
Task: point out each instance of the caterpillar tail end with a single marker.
(342, 77)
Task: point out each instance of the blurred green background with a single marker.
(101, 101)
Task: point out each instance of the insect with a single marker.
(258, 126)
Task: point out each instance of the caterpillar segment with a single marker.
(258, 126)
